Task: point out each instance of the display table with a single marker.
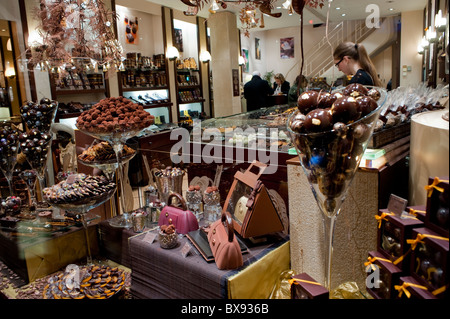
(162, 273)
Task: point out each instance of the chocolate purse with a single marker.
(182, 218)
(250, 206)
(224, 245)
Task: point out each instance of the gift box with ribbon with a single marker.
(393, 232)
(409, 288)
(304, 286)
(382, 276)
(430, 261)
(419, 211)
(437, 216)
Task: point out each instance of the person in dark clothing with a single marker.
(352, 59)
(280, 86)
(256, 92)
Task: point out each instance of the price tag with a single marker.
(186, 250)
(150, 237)
(397, 204)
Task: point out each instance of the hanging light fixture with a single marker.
(431, 35)
(286, 4)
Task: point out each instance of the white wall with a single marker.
(411, 34)
(270, 49)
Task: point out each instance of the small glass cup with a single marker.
(194, 200)
(212, 209)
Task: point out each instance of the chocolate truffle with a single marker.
(345, 109)
(355, 90)
(366, 105)
(308, 101)
(318, 120)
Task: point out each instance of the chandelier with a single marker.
(248, 13)
(73, 35)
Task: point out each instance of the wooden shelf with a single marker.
(142, 88)
(79, 91)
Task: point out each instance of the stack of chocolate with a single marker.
(78, 188)
(114, 115)
(39, 115)
(103, 151)
(412, 257)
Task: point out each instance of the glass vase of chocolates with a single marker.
(330, 132)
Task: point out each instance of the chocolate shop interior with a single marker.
(131, 152)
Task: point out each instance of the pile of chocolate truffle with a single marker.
(39, 115)
(78, 188)
(323, 111)
(329, 148)
(9, 143)
(114, 115)
(35, 145)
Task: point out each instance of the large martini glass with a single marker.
(117, 139)
(330, 160)
(9, 146)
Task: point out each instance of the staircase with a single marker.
(319, 59)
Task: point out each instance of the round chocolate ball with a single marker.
(345, 109)
(366, 105)
(308, 101)
(374, 94)
(328, 100)
(442, 216)
(297, 122)
(318, 120)
(355, 90)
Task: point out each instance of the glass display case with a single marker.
(264, 128)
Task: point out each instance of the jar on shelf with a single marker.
(212, 209)
(194, 200)
(155, 209)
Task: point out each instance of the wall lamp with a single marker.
(172, 53)
(205, 56)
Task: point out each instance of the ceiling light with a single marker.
(391, 9)
(338, 8)
(343, 14)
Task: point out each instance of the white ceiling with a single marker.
(353, 10)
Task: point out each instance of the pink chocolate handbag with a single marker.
(182, 218)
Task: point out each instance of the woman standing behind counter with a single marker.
(352, 59)
(280, 86)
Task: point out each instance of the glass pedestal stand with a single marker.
(117, 140)
(330, 160)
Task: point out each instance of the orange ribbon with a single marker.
(415, 211)
(371, 260)
(420, 237)
(380, 218)
(404, 288)
(432, 186)
(296, 281)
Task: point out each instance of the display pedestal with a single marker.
(356, 229)
(35, 258)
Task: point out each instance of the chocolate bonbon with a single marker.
(78, 188)
(39, 115)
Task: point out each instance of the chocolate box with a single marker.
(430, 260)
(418, 211)
(437, 216)
(393, 231)
(409, 288)
(304, 286)
(381, 285)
